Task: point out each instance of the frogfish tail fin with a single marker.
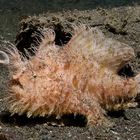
(137, 79)
(91, 43)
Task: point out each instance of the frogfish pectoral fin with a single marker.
(113, 54)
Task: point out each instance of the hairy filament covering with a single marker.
(80, 77)
(16, 64)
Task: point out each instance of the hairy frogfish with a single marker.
(80, 77)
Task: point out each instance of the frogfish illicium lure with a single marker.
(80, 77)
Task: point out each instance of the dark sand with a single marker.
(121, 23)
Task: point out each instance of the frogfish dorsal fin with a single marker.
(91, 43)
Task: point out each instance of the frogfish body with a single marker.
(80, 77)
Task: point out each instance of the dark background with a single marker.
(11, 11)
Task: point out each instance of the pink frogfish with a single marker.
(79, 77)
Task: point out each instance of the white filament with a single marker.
(6, 58)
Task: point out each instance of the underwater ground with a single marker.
(117, 19)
